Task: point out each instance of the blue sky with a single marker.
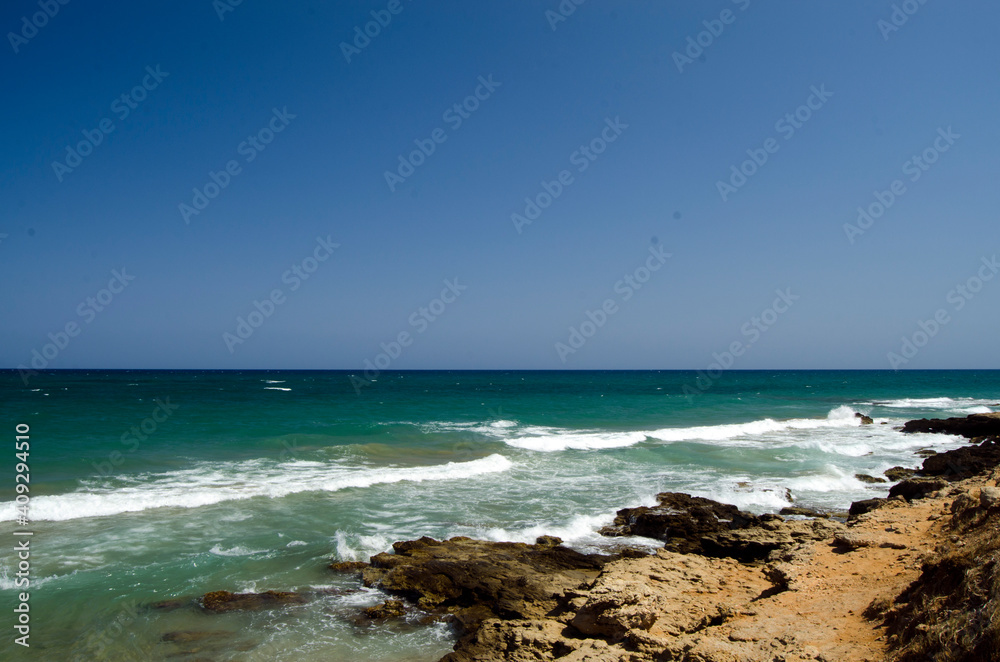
(682, 126)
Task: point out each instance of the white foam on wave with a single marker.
(215, 483)
(975, 410)
(841, 417)
(956, 404)
(274, 381)
(357, 547)
(552, 439)
(580, 532)
(548, 440)
(8, 583)
(577, 529)
(276, 388)
(238, 550)
(495, 428)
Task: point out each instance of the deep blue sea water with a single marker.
(151, 485)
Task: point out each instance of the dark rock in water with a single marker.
(963, 462)
(187, 636)
(223, 601)
(805, 512)
(170, 605)
(865, 478)
(925, 452)
(388, 609)
(974, 425)
(859, 508)
(349, 566)
(550, 541)
(680, 520)
(917, 488)
(899, 473)
(865, 420)
(475, 579)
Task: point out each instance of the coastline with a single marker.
(770, 588)
(911, 576)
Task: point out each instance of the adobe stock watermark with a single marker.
(752, 331)
(910, 345)
(87, 310)
(37, 21)
(223, 7)
(581, 158)
(562, 12)
(420, 320)
(899, 17)
(249, 149)
(293, 277)
(699, 43)
(135, 435)
(122, 107)
(914, 168)
(786, 127)
(454, 116)
(381, 18)
(625, 288)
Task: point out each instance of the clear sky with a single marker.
(310, 114)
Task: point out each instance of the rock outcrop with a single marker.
(680, 520)
(917, 488)
(950, 612)
(963, 462)
(473, 580)
(898, 473)
(972, 426)
(865, 478)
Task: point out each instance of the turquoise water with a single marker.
(257, 480)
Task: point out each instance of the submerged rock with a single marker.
(349, 567)
(804, 512)
(550, 541)
(187, 636)
(865, 478)
(223, 601)
(170, 605)
(680, 520)
(388, 609)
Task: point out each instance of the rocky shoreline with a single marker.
(913, 576)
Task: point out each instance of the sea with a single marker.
(154, 487)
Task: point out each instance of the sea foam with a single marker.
(217, 482)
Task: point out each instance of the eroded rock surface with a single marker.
(680, 520)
